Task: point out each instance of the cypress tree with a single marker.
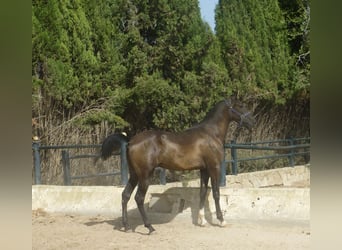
(254, 47)
(166, 42)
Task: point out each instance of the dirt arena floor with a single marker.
(60, 231)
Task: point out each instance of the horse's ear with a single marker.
(233, 98)
(228, 102)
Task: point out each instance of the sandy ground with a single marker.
(60, 231)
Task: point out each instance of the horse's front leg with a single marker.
(216, 196)
(203, 193)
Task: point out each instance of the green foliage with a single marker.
(297, 17)
(156, 100)
(144, 64)
(94, 117)
(254, 45)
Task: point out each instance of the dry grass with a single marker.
(272, 123)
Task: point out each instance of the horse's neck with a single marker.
(218, 126)
(223, 128)
(216, 122)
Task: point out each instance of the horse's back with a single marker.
(187, 150)
(193, 149)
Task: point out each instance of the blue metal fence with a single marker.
(289, 146)
(66, 161)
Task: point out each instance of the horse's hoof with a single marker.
(126, 227)
(222, 223)
(202, 222)
(150, 229)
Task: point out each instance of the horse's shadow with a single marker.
(162, 208)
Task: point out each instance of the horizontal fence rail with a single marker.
(290, 151)
(68, 177)
(66, 161)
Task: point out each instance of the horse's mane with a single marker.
(214, 112)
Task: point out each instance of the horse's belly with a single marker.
(181, 162)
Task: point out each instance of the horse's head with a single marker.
(240, 114)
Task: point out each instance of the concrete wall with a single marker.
(298, 176)
(243, 198)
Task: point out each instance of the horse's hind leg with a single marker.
(126, 195)
(140, 198)
(216, 195)
(203, 193)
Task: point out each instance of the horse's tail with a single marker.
(111, 143)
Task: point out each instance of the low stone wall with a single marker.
(236, 203)
(245, 197)
(298, 176)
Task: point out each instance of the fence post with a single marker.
(124, 164)
(291, 157)
(223, 169)
(234, 157)
(162, 176)
(36, 159)
(66, 167)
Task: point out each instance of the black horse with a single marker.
(199, 147)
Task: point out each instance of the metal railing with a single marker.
(290, 148)
(67, 158)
